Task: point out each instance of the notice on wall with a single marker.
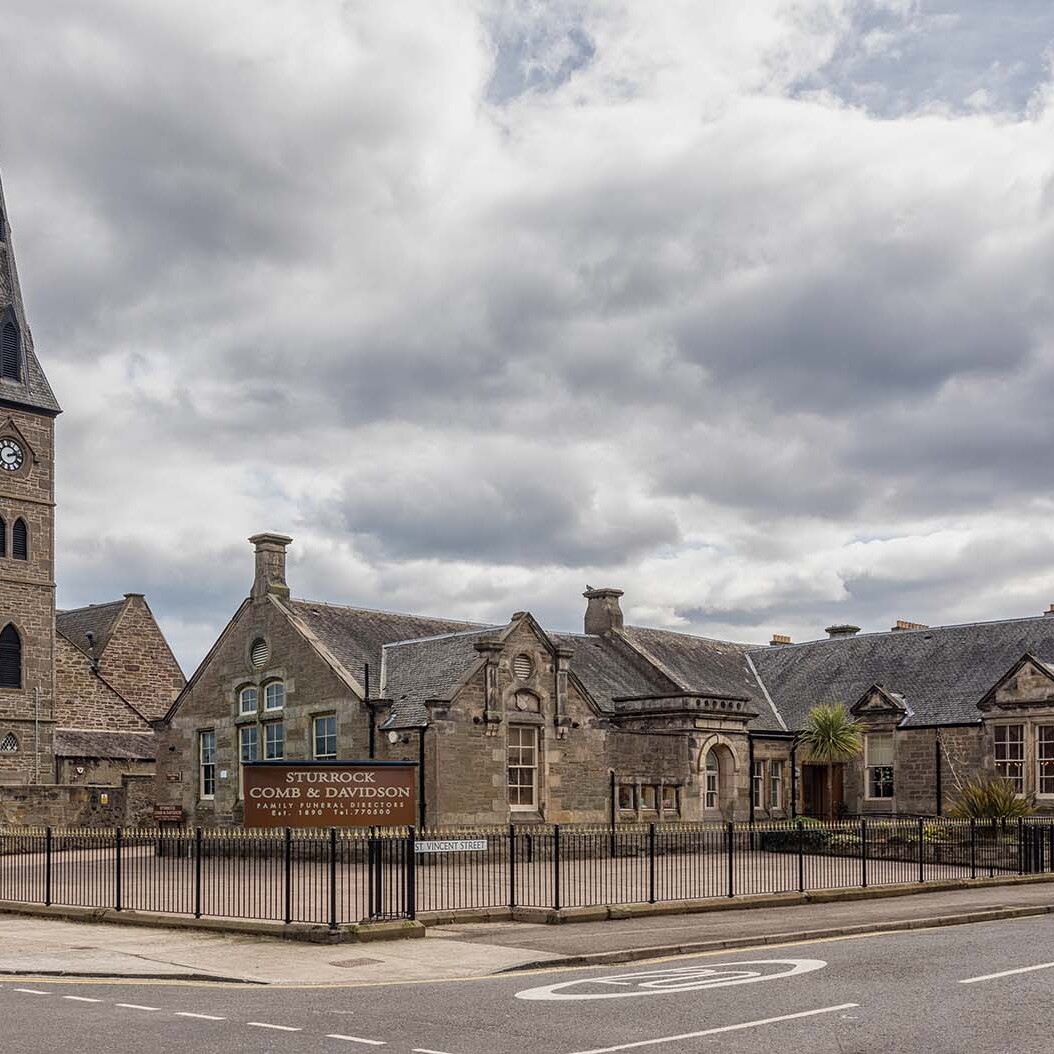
(339, 794)
(452, 845)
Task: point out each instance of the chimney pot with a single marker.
(270, 564)
(902, 624)
(1050, 610)
(779, 638)
(603, 613)
(844, 630)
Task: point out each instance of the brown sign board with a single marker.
(169, 814)
(329, 794)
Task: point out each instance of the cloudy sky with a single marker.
(744, 307)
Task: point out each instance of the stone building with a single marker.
(77, 692)
(516, 723)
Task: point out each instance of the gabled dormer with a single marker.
(1028, 684)
(880, 703)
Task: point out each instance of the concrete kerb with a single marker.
(797, 937)
(294, 931)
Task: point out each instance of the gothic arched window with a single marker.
(10, 658)
(9, 744)
(3, 536)
(20, 540)
(10, 360)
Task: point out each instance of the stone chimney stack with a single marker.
(270, 564)
(842, 631)
(603, 613)
(778, 639)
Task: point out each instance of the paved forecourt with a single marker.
(975, 988)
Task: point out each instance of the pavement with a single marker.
(41, 947)
(979, 989)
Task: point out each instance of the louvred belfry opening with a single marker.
(10, 366)
(10, 658)
(20, 540)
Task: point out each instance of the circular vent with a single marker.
(259, 653)
(522, 667)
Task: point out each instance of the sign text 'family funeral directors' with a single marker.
(307, 795)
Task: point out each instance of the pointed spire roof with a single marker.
(32, 390)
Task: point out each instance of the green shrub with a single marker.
(991, 799)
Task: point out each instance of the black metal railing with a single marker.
(334, 877)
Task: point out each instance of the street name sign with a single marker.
(329, 794)
(453, 845)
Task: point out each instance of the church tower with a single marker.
(28, 409)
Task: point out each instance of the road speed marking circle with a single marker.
(695, 978)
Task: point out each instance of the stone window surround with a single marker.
(867, 766)
(204, 775)
(233, 689)
(658, 789)
(1030, 725)
(536, 731)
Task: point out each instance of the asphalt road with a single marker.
(981, 988)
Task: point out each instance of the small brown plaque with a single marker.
(309, 794)
(169, 814)
(174, 777)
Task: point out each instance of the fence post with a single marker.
(512, 865)
(556, 867)
(287, 858)
(731, 858)
(1050, 845)
(411, 872)
(922, 862)
(117, 869)
(47, 865)
(863, 852)
(1020, 846)
(333, 878)
(197, 873)
(801, 857)
(973, 847)
(651, 863)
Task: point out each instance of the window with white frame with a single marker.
(248, 748)
(757, 783)
(522, 753)
(247, 700)
(207, 765)
(1010, 755)
(878, 765)
(324, 736)
(711, 788)
(274, 741)
(775, 784)
(1045, 760)
(274, 696)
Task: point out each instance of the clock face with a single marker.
(11, 455)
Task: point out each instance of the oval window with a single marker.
(522, 667)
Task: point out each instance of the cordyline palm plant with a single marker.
(991, 799)
(832, 737)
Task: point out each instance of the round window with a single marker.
(522, 667)
(259, 653)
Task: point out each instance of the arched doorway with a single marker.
(717, 772)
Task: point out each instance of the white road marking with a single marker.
(425, 1050)
(81, 999)
(1007, 973)
(31, 991)
(135, 1006)
(203, 1017)
(716, 1031)
(694, 978)
(278, 1028)
(357, 1039)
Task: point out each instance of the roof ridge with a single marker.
(695, 636)
(88, 607)
(898, 633)
(441, 636)
(384, 611)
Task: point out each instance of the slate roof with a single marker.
(609, 669)
(356, 636)
(429, 668)
(95, 743)
(98, 619)
(703, 666)
(942, 672)
(33, 390)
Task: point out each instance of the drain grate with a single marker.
(350, 963)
